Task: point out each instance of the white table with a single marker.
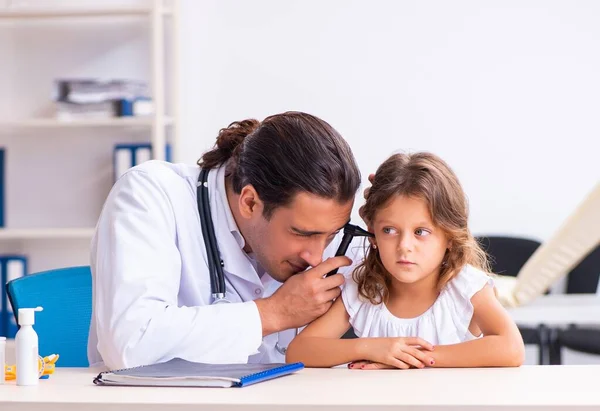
(559, 310)
(524, 388)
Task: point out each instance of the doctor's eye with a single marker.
(303, 235)
(330, 238)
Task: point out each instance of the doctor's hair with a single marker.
(427, 177)
(283, 155)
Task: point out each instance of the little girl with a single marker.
(422, 297)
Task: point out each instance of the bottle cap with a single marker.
(27, 315)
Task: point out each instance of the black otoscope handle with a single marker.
(350, 231)
(346, 239)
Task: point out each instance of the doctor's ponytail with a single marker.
(283, 155)
(229, 142)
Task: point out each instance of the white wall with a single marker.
(507, 92)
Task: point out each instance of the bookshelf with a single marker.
(46, 233)
(58, 172)
(44, 123)
(94, 11)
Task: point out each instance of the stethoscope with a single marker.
(215, 262)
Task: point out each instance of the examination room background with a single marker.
(507, 92)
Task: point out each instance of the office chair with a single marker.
(63, 325)
(507, 255)
(583, 279)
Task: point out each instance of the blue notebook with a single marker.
(182, 373)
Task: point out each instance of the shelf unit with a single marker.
(46, 233)
(156, 13)
(43, 123)
(162, 126)
(37, 13)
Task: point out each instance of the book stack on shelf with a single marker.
(80, 99)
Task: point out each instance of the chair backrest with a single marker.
(63, 326)
(508, 255)
(584, 277)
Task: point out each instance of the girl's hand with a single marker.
(368, 365)
(398, 353)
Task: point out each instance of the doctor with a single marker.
(277, 193)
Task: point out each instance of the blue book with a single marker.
(126, 156)
(3, 304)
(139, 106)
(11, 267)
(181, 373)
(2, 186)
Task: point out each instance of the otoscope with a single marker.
(350, 231)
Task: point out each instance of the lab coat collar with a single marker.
(229, 237)
(231, 224)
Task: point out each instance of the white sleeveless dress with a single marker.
(445, 322)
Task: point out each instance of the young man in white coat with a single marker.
(280, 191)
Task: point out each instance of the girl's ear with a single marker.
(371, 239)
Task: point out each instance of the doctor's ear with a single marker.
(249, 202)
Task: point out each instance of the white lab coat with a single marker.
(151, 285)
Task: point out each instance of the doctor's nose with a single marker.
(312, 257)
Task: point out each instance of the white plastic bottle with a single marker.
(2, 359)
(26, 342)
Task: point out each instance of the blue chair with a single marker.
(63, 326)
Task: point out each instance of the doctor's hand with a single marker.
(302, 298)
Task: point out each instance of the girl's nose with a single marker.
(406, 243)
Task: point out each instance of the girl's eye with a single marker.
(389, 230)
(421, 232)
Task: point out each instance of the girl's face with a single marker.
(411, 247)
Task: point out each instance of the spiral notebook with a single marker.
(181, 373)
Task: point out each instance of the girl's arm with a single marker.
(319, 345)
(500, 346)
